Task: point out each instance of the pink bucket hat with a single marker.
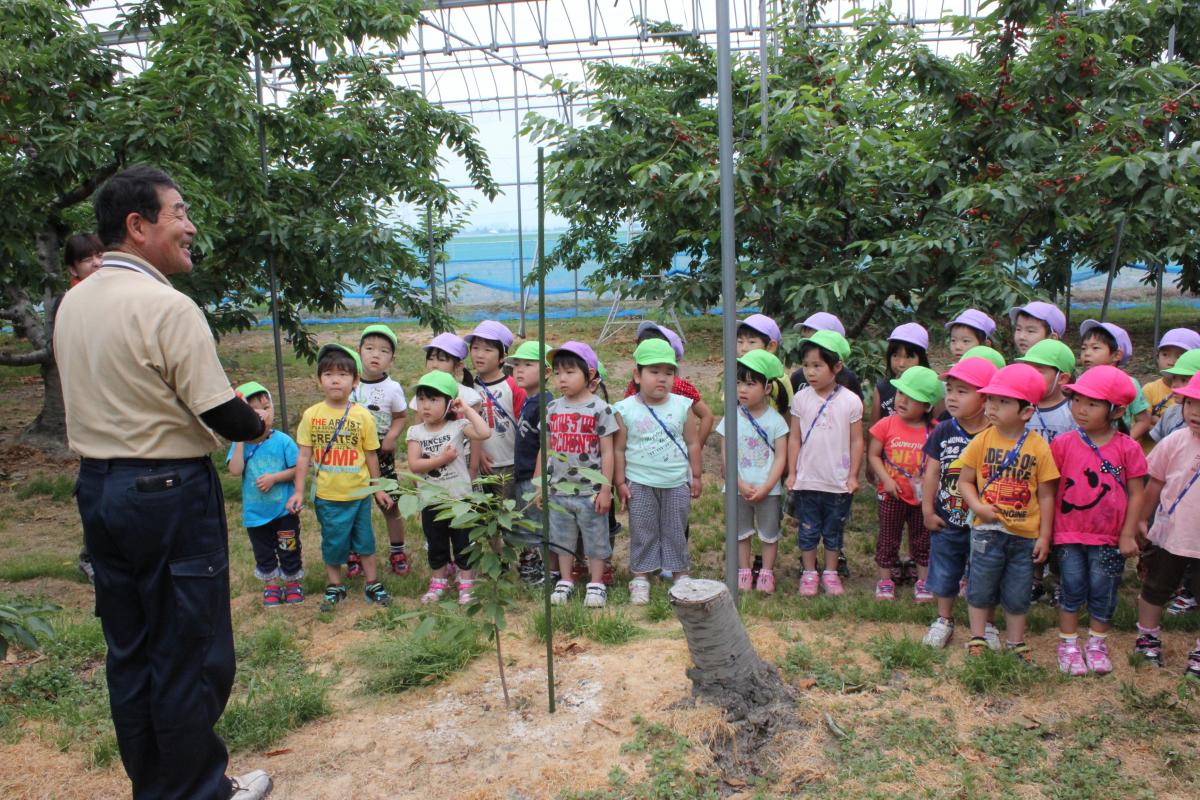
(448, 343)
(1116, 331)
(492, 330)
(1019, 381)
(974, 318)
(1104, 382)
(763, 324)
(974, 371)
(912, 333)
(1192, 390)
(672, 337)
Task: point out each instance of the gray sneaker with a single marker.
(85, 566)
(251, 786)
(992, 634)
(597, 595)
(939, 633)
(562, 593)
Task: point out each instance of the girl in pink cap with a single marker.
(1097, 498)
(907, 346)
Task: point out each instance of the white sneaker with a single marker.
(939, 633)
(251, 786)
(992, 634)
(562, 593)
(597, 595)
(639, 592)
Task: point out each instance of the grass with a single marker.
(667, 776)
(609, 625)
(801, 662)
(59, 488)
(419, 659)
(995, 673)
(896, 653)
(29, 566)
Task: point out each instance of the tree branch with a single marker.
(31, 358)
(85, 190)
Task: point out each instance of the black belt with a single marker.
(148, 463)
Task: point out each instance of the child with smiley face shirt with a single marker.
(1098, 496)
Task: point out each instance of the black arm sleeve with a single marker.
(235, 420)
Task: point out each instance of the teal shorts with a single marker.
(345, 526)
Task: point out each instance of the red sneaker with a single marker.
(399, 563)
(354, 566)
(272, 595)
(293, 593)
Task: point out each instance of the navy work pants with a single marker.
(159, 543)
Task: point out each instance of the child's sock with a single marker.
(1097, 634)
(398, 548)
(946, 621)
(1148, 631)
(1013, 645)
(1069, 638)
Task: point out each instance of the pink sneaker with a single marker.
(921, 592)
(831, 583)
(766, 581)
(745, 580)
(1096, 655)
(809, 581)
(1070, 659)
(885, 590)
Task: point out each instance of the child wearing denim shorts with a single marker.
(1102, 471)
(825, 454)
(1008, 480)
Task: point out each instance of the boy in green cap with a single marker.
(384, 398)
(1055, 362)
(528, 364)
(267, 468)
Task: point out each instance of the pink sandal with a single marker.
(437, 588)
(465, 597)
(766, 581)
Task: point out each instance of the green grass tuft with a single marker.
(421, 659)
(902, 653)
(999, 673)
(59, 488)
(603, 625)
(29, 566)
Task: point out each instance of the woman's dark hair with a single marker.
(1100, 333)
(467, 379)
(336, 358)
(565, 358)
(430, 393)
(131, 191)
(81, 246)
(831, 358)
(908, 350)
(746, 330)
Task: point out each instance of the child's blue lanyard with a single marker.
(911, 476)
(1010, 458)
(663, 425)
(329, 446)
(1160, 405)
(249, 454)
(961, 430)
(820, 411)
(496, 403)
(1179, 496)
(758, 428)
(1106, 466)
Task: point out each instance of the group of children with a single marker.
(993, 468)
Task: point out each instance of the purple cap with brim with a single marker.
(763, 324)
(1183, 338)
(580, 349)
(448, 343)
(1116, 331)
(912, 333)
(822, 321)
(1046, 312)
(672, 336)
(974, 318)
(491, 330)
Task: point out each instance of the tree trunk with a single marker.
(49, 430)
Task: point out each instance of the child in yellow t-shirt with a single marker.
(343, 436)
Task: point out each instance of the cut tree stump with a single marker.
(728, 673)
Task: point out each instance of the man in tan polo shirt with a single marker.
(144, 392)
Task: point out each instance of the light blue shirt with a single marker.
(276, 454)
(755, 457)
(652, 456)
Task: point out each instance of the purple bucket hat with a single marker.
(912, 333)
(580, 349)
(763, 324)
(974, 318)
(492, 330)
(672, 337)
(822, 321)
(1046, 312)
(448, 343)
(1183, 338)
(1115, 331)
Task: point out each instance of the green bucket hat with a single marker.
(529, 351)
(1187, 364)
(378, 330)
(440, 382)
(764, 363)
(1051, 353)
(986, 353)
(921, 384)
(832, 341)
(251, 388)
(348, 350)
(654, 351)
(601, 371)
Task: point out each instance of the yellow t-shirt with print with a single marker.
(342, 468)
(1014, 492)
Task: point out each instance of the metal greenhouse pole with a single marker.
(1161, 269)
(728, 288)
(547, 586)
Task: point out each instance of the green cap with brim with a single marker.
(601, 371)
(832, 341)
(529, 351)
(1186, 365)
(921, 384)
(986, 353)
(251, 388)
(378, 330)
(1050, 353)
(654, 351)
(764, 363)
(348, 350)
(440, 382)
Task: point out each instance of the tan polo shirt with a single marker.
(138, 365)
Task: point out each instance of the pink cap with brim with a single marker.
(975, 371)
(1046, 312)
(577, 348)
(974, 318)
(672, 337)
(448, 343)
(911, 333)
(1116, 331)
(823, 321)
(491, 330)
(1192, 390)
(1183, 338)
(1104, 382)
(763, 324)
(1019, 381)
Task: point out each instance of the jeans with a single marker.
(822, 517)
(157, 534)
(1001, 571)
(949, 551)
(1090, 575)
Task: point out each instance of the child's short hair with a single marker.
(378, 336)
(429, 393)
(651, 333)
(263, 393)
(828, 356)
(910, 351)
(1104, 336)
(746, 330)
(978, 334)
(567, 359)
(1045, 325)
(335, 356)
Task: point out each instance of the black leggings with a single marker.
(445, 543)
